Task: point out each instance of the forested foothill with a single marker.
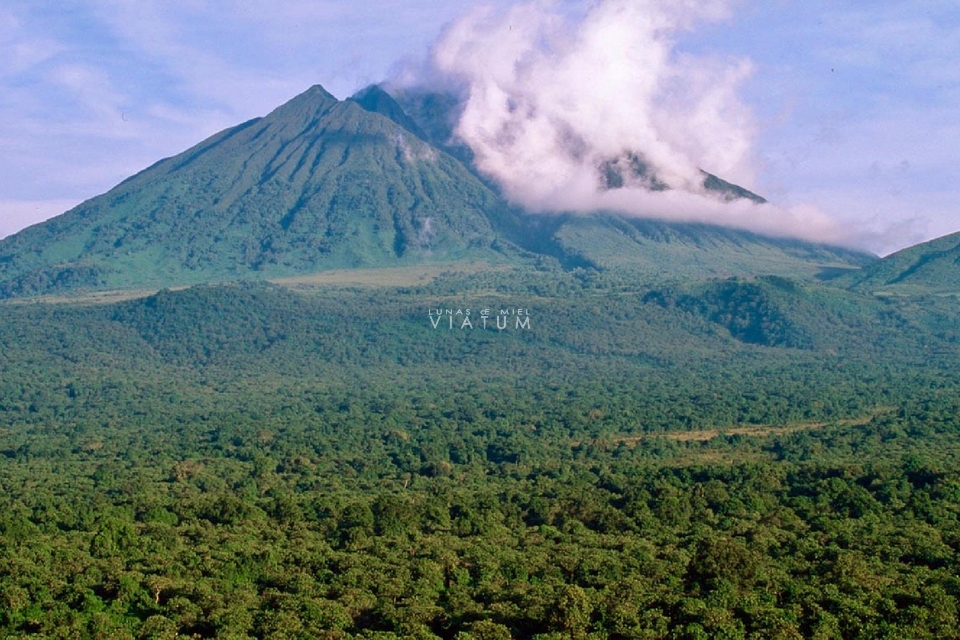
(722, 458)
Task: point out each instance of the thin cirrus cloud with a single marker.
(846, 110)
(858, 111)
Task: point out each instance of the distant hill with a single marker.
(932, 266)
(317, 184)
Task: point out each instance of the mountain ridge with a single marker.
(283, 194)
(320, 183)
(435, 112)
(932, 266)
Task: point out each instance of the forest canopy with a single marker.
(730, 458)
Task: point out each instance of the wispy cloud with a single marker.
(858, 110)
(21, 52)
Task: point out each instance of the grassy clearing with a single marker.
(375, 277)
(384, 277)
(757, 431)
(93, 297)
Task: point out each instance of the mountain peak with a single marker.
(374, 99)
(320, 183)
(316, 184)
(305, 107)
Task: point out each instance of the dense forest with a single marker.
(731, 458)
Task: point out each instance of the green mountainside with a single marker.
(316, 184)
(661, 250)
(932, 266)
(432, 115)
(604, 240)
(378, 181)
(376, 100)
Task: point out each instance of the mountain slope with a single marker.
(376, 100)
(663, 250)
(605, 240)
(433, 117)
(316, 184)
(932, 266)
(322, 184)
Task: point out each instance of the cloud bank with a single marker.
(549, 100)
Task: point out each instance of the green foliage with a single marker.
(250, 461)
(652, 249)
(655, 455)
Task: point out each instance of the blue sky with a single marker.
(856, 105)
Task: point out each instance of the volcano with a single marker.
(322, 183)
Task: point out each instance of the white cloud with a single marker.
(549, 100)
